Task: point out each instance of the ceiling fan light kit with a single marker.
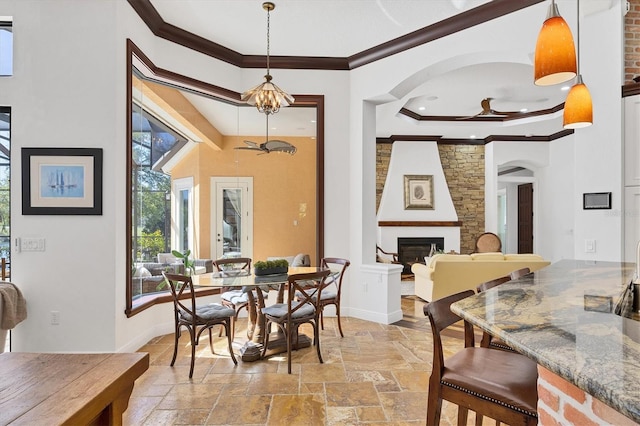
(267, 97)
(555, 54)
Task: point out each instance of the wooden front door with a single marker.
(525, 218)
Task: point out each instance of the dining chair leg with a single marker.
(193, 351)
(227, 325)
(175, 345)
(288, 332)
(434, 406)
(339, 323)
(211, 341)
(316, 332)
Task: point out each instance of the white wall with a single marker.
(68, 90)
(60, 98)
(598, 150)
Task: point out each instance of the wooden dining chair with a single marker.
(194, 318)
(4, 267)
(235, 299)
(519, 273)
(488, 341)
(488, 242)
(496, 384)
(333, 287)
(304, 291)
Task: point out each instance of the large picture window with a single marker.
(152, 143)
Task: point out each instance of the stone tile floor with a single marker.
(376, 375)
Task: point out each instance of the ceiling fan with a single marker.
(273, 145)
(488, 111)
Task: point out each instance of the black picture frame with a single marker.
(61, 181)
(596, 201)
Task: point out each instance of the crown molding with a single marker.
(492, 138)
(462, 21)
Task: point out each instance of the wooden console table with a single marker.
(67, 389)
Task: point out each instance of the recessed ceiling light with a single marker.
(421, 108)
(313, 121)
(524, 110)
(472, 136)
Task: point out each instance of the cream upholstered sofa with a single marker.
(448, 274)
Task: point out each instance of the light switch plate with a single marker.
(31, 244)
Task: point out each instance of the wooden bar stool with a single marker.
(497, 384)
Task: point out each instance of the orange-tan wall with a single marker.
(284, 194)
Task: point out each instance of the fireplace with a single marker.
(412, 250)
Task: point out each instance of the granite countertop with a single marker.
(564, 317)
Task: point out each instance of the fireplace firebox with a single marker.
(412, 250)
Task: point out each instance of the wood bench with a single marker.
(71, 389)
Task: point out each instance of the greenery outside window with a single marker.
(152, 143)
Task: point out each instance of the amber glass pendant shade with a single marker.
(555, 55)
(578, 108)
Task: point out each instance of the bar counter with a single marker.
(573, 318)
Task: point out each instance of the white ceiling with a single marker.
(340, 28)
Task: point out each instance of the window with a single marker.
(5, 184)
(152, 144)
(6, 45)
(182, 192)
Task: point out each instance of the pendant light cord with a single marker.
(268, 26)
(578, 33)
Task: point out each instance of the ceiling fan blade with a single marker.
(280, 146)
(505, 113)
(250, 148)
(251, 144)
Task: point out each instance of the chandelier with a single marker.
(267, 97)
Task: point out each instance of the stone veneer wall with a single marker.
(464, 170)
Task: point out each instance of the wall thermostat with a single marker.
(596, 201)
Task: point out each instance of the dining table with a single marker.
(252, 349)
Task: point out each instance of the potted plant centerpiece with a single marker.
(270, 267)
(189, 264)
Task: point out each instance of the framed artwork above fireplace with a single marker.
(418, 192)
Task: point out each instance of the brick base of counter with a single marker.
(562, 403)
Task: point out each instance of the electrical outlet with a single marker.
(589, 246)
(55, 317)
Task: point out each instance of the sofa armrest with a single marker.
(206, 263)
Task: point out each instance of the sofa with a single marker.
(300, 259)
(148, 275)
(448, 274)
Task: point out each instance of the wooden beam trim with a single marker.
(462, 21)
(419, 223)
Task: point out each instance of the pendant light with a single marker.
(267, 97)
(555, 55)
(578, 108)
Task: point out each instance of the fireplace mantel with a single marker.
(418, 223)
